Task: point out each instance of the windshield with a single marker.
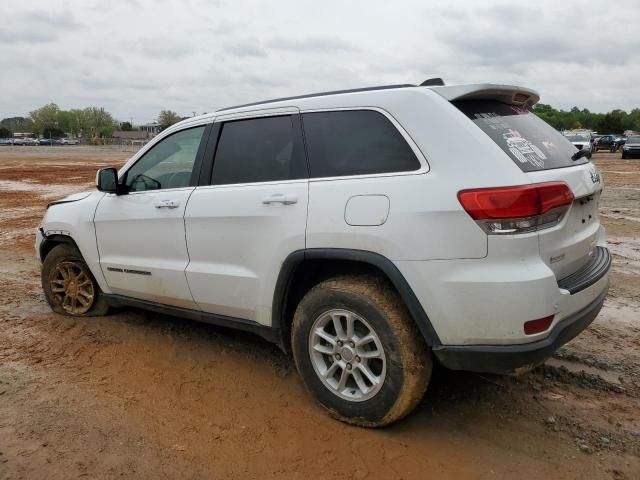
(633, 140)
(529, 141)
(577, 138)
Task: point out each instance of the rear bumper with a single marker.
(518, 358)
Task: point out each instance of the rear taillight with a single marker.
(519, 209)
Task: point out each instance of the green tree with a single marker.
(52, 132)
(18, 124)
(45, 117)
(80, 126)
(98, 122)
(5, 132)
(126, 126)
(612, 122)
(66, 122)
(107, 131)
(168, 118)
(634, 120)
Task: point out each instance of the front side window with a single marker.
(258, 150)
(168, 164)
(355, 142)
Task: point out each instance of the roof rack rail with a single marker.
(320, 94)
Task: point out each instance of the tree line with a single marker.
(91, 122)
(51, 121)
(614, 122)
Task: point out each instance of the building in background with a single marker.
(152, 128)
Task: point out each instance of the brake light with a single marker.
(523, 208)
(536, 326)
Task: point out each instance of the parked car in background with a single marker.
(69, 141)
(580, 140)
(631, 147)
(5, 141)
(49, 141)
(606, 142)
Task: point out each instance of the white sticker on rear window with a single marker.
(523, 150)
(531, 143)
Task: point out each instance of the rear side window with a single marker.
(258, 150)
(530, 142)
(355, 142)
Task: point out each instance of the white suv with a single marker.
(367, 231)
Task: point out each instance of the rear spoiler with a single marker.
(509, 94)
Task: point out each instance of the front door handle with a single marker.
(284, 199)
(167, 204)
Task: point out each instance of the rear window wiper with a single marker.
(579, 154)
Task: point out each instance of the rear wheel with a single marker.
(358, 351)
(69, 285)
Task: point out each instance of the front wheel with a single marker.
(359, 352)
(69, 286)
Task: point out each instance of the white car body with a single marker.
(222, 251)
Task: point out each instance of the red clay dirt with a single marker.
(141, 395)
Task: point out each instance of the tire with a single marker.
(623, 156)
(69, 285)
(403, 362)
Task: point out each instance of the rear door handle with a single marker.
(284, 199)
(167, 204)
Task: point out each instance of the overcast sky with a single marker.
(136, 57)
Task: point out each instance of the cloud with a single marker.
(138, 58)
(244, 49)
(310, 44)
(43, 27)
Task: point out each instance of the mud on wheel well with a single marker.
(309, 272)
(53, 241)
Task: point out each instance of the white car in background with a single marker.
(581, 140)
(369, 232)
(69, 141)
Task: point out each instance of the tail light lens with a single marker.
(519, 209)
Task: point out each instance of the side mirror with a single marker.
(107, 180)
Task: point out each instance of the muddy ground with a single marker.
(139, 395)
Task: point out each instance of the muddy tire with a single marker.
(359, 352)
(69, 286)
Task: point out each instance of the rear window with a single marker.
(530, 142)
(355, 142)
